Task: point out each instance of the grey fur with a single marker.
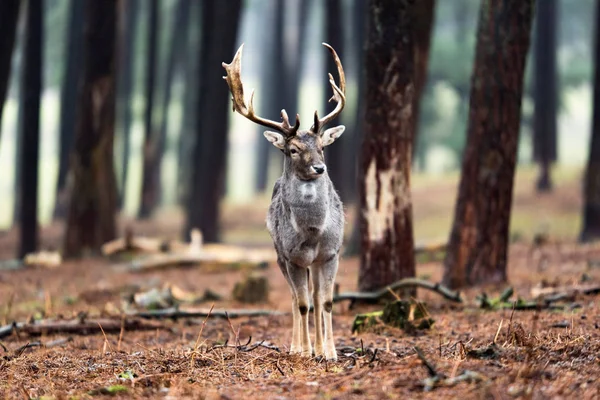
(306, 223)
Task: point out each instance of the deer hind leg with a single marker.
(318, 310)
(327, 272)
(299, 279)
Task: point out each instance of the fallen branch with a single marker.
(175, 313)
(250, 260)
(376, 297)
(563, 293)
(77, 326)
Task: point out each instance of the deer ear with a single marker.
(276, 138)
(331, 134)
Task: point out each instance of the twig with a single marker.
(430, 368)
(21, 349)
(175, 313)
(199, 336)
(375, 297)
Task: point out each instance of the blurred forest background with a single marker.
(169, 94)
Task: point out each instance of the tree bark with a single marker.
(68, 103)
(188, 131)
(174, 61)
(220, 21)
(591, 194)
(423, 17)
(125, 86)
(335, 154)
(386, 218)
(150, 183)
(272, 77)
(32, 88)
(478, 242)
(353, 141)
(9, 17)
(545, 92)
(91, 219)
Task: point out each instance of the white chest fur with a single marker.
(308, 192)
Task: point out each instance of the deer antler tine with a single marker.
(234, 81)
(338, 93)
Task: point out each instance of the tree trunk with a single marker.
(423, 17)
(353, 141)
(175, 57)
(150, 185)
(272, 76)
(188, 131)
(9, 16)
(125, 86)
(335, 155)
(91, 220)
(545, 91)
(385, 200)
(68, 103)
(479, 239)
(32, 88)
(220, 21)
(591, 195)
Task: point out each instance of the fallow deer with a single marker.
(306, 216)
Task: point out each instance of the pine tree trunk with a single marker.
(335, 155)
(423, 17)
(174, 61)
(591, 194)
(91, 219)
(150, 184)
(219, 32)
(68, 103)
(32, 88)
(353, 139)
(272, 74)
(9, 16)
(478, 245)
(385, 200)
(187, 138)
(125, 86)
(545, 91)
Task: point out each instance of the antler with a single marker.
(339, 94)
(236, 87)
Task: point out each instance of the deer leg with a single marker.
(327, 273)
(318, 310)
(299, 278)
(296, 340)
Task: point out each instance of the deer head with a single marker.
(303, 148)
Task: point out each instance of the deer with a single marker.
(306, 216)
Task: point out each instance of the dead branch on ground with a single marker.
(376, 297)
(175, 313)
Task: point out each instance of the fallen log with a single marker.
(376, 297)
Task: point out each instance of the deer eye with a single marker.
(293, 151)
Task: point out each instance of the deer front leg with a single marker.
(327, 272)
(299, 278)
(296, 340)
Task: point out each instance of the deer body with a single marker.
(306, 217)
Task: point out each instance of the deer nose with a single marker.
(319, 168)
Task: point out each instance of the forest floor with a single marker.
(542, 353)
